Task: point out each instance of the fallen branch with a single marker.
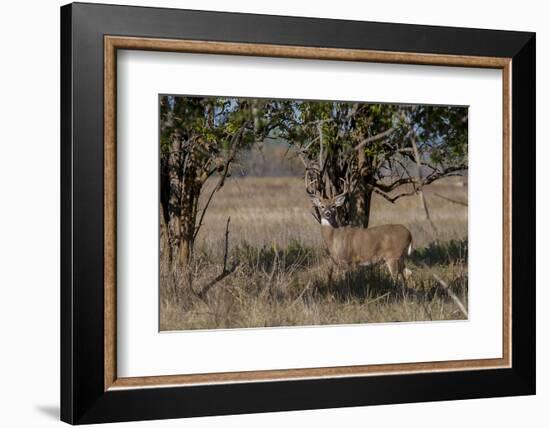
(451, 200)
(383, 296)
(451, 294)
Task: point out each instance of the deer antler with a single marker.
(312, 193)
(346, 188)
(310, 188)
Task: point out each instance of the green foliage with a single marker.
(212, 122)
(334, 139)
(441, 132)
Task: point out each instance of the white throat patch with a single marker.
(324, 222)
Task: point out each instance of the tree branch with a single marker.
(374, 138)
(420, 192)
(225, 272)
(384, 190)
(230, 157)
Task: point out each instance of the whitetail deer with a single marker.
(352, 246)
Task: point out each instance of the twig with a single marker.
(379, 298)
(420, 191)
(451, 294)
(384, 190)
(300, 295)
(320, 131)
(221, 181)
(226, 245)
(225, 272)
(451, 200)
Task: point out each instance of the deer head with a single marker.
(326, 207)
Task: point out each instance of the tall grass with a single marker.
(284, 275)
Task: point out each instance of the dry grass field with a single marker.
(284, 276)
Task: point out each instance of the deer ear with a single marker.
(315, 201)
(339, 200)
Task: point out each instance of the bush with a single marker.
(442, 253)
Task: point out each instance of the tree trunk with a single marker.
(190, 192)
(184, 252)
(164, 246)
(362, 197)
(361, 203)
(181, 202)
(173, 207)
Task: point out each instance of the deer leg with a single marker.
(395, 272)
(396, 266)
(403, 271)
(392, 268)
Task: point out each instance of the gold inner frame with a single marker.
(113, 43)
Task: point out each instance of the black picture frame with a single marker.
(83, 398)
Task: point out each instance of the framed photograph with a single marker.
(266, 213)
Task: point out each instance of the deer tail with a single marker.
(410, 249)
